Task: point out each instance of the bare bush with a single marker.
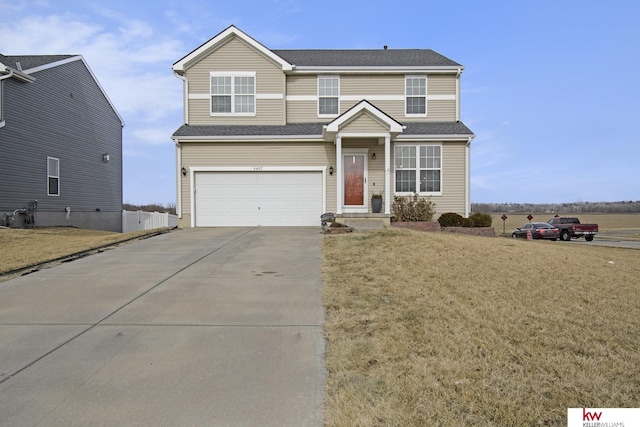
(413, 208)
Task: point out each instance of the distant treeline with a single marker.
(154, 207)
(574, 207)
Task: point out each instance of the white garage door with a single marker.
(258, 198)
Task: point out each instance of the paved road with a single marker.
(613, 243)
(195, 327)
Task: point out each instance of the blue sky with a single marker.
(550, 88)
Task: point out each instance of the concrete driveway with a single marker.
(195, 327)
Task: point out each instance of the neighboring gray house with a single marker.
(60, 145)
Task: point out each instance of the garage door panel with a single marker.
(258, 198)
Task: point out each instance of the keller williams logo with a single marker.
(590, 416)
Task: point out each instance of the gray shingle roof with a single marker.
(31, 61)
(366, 58)
(312, 129)
(437, 128)
(238, 130)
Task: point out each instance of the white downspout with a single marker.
(387, 174)
(185, 119)
(467, 196)
(458, 94)
(339, 175)
(185, 96)
(179, 179)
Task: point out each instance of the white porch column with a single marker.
(338, 174)
(387, 174)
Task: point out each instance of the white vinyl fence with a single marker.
(139, 220)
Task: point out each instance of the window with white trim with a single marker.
(418, 168)
(233, 93)
(416, 96)
(328, 96)
(53, 176)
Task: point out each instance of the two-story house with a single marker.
(278, 137)
(60, 145)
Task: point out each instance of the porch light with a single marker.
(184, 171)
(105, 157)
(330, 170)
(373, 156)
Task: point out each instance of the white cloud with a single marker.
(132, 63)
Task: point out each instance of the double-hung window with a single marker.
(328, 96)
(233, 93)
(416, 96)
(53, 176)
(418, 169)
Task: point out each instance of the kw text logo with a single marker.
(590, 416)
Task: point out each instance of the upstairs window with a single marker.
(416, 96)
(328, 96)
(233, 94)
(53, 176)
(418, 168)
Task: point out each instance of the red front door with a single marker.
(354, 180)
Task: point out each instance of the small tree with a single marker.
(413, 208)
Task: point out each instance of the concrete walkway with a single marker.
(219, 327)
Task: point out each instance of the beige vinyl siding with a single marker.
(236, 56)
(360, 85)
(302, 85)
(371, 87)
(441, 84)
(226, 154)
(453, 179)
(441, 111)
(268, 112)
(303, 111)
(363, 124)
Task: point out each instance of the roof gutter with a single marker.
(313, 69)
(248, 138)
(443, 137)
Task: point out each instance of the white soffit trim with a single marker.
(179, 66)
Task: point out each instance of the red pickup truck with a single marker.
(570, 228)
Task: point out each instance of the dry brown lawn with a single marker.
(21, 248)
(446, 329)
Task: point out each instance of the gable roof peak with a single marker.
(364, 106)
(231, 31)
